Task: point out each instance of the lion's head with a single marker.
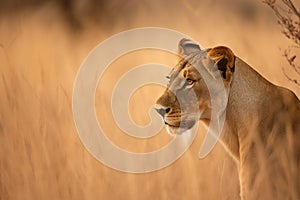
(187, 98)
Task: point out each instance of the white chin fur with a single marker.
(170, 130)
(175, 131)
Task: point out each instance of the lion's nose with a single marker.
(162, 110)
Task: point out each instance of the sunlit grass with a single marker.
(41, 156)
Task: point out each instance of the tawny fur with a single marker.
(262, 124)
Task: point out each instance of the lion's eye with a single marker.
(190, 81)
(168, 77)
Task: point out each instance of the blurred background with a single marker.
(43, 43)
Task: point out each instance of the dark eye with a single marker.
(190, 81)
(168, 77)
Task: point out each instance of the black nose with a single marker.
(162, 110)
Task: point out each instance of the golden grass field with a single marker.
(41, 155)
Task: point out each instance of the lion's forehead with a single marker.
(188, 66)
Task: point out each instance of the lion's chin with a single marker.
(178, 130)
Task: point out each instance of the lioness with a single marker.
(262, 121)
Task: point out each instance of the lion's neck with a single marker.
(245, 99)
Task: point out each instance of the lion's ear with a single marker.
(187, 46)
(224, 60)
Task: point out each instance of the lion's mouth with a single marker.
(170, 125)
(180, 128)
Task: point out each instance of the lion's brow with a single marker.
(176, 70)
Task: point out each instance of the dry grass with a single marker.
(41, 156)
